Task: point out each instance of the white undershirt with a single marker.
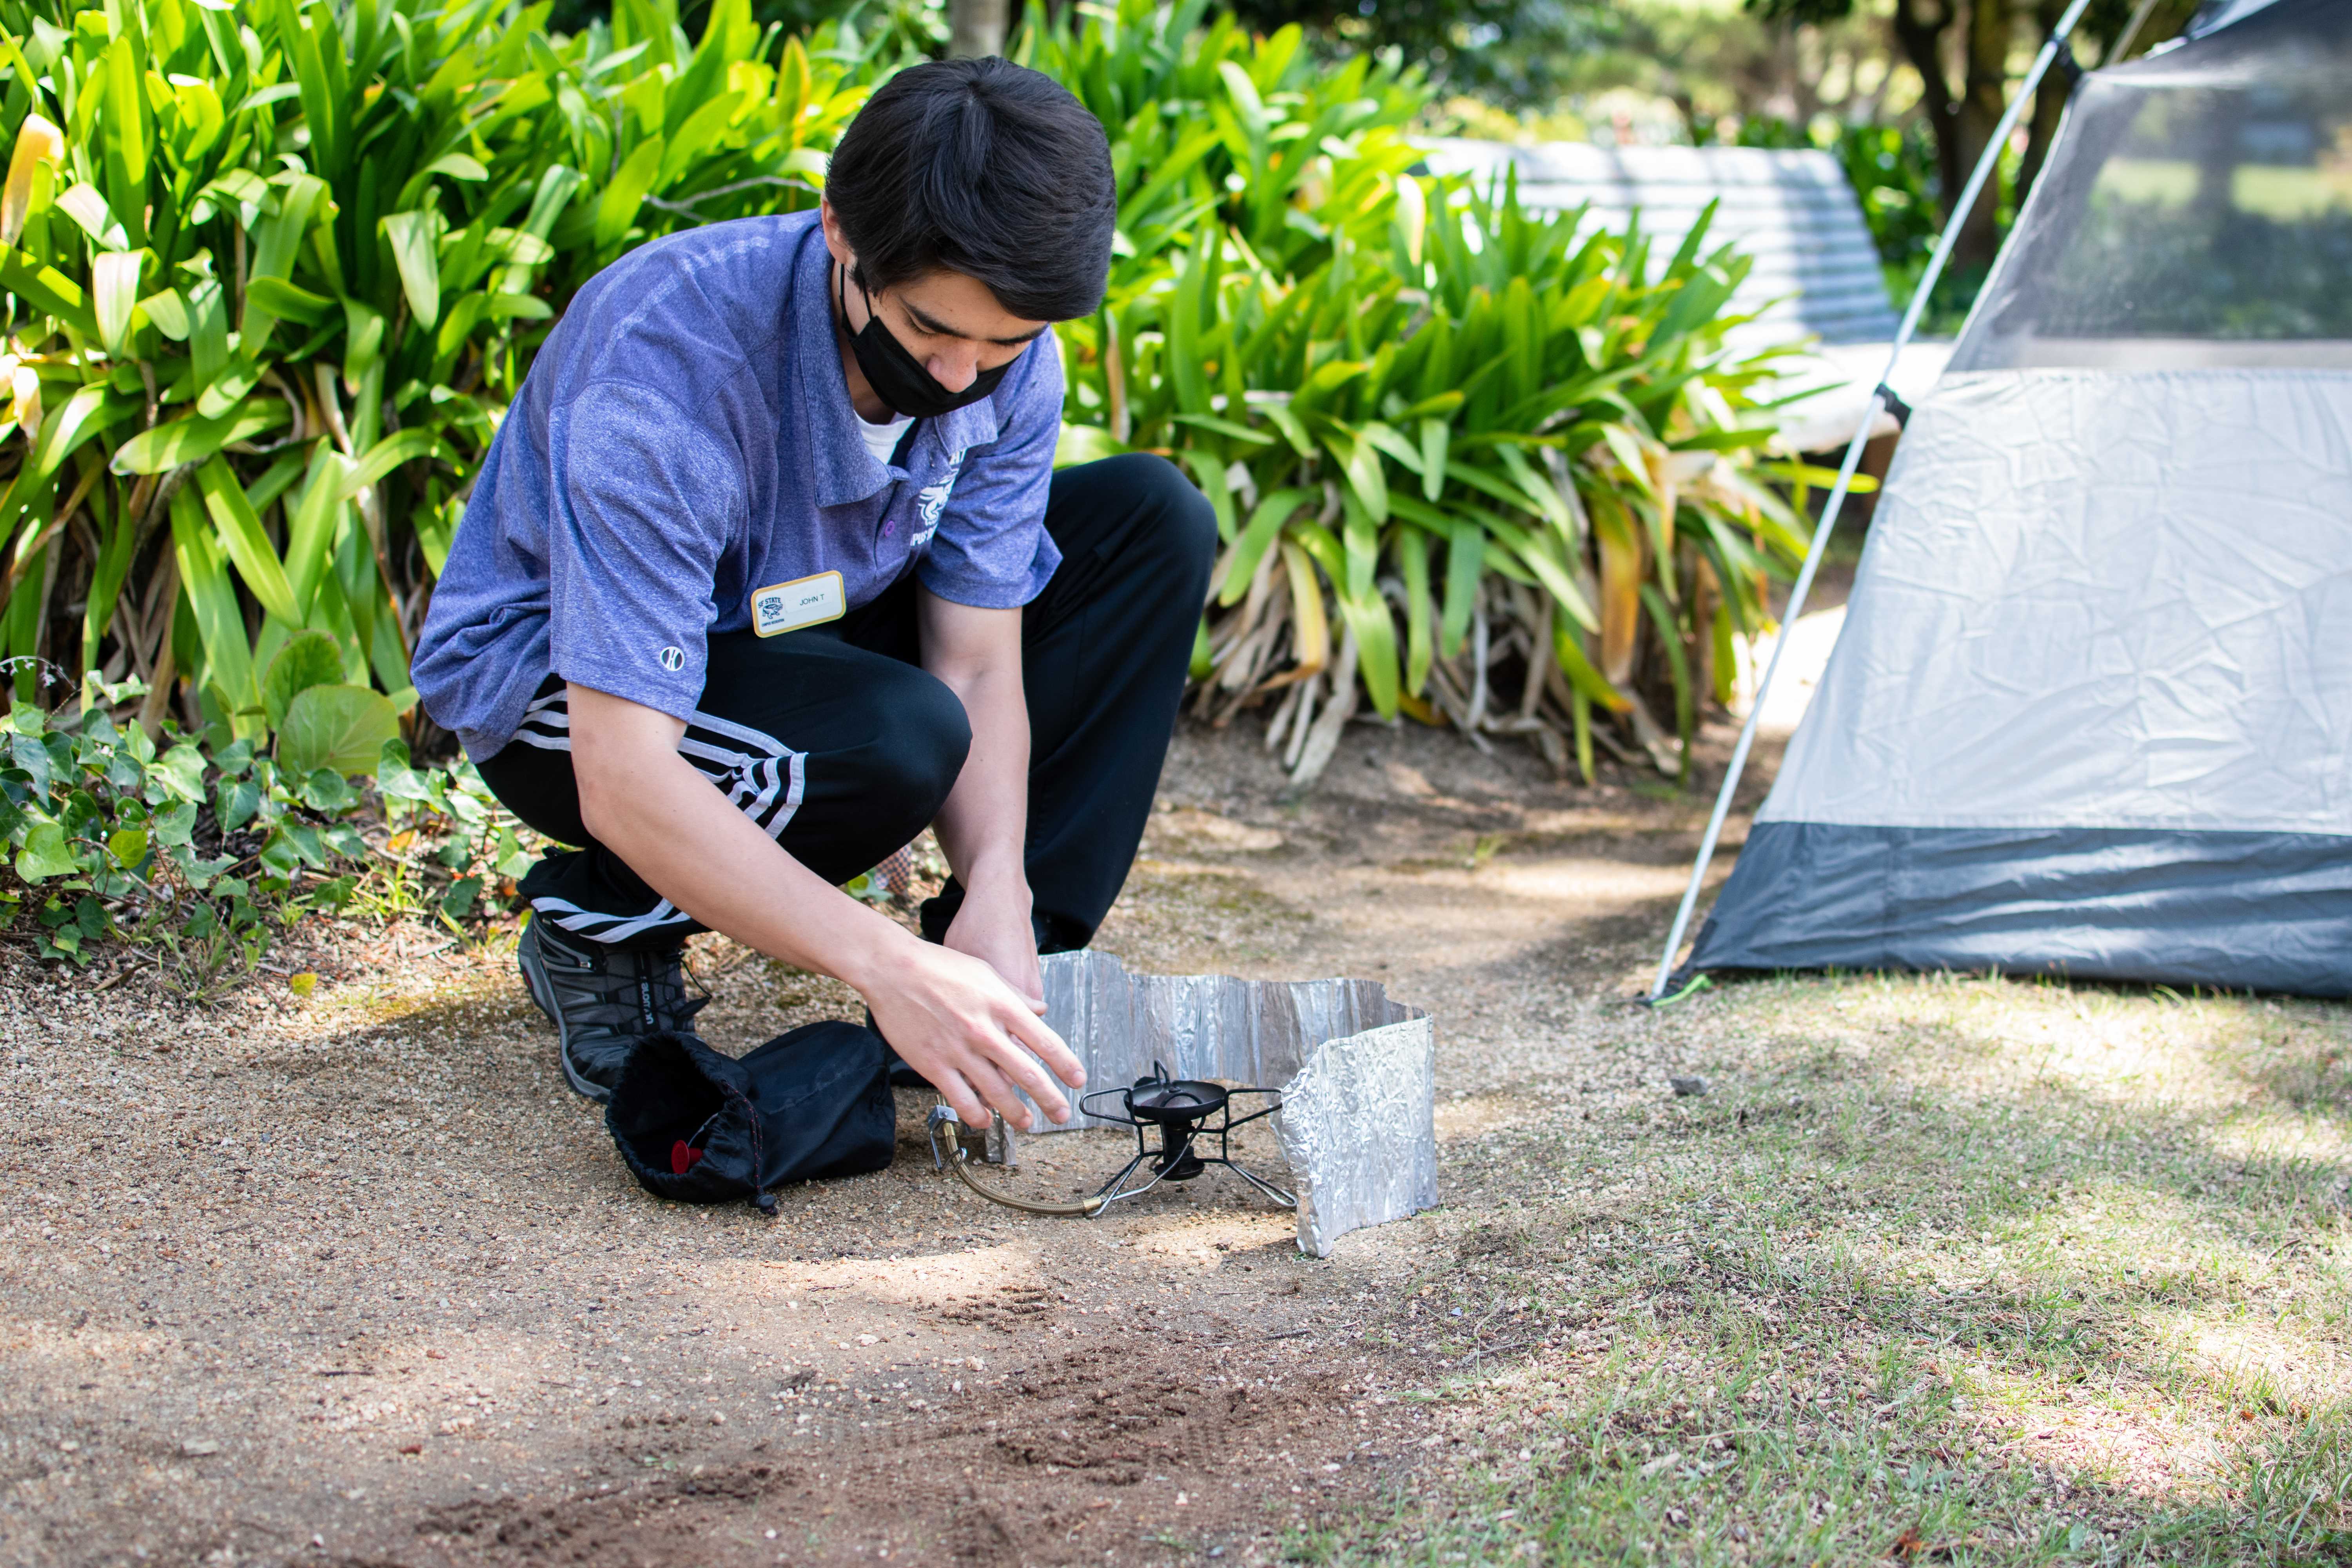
(882, 439)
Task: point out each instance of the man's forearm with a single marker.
(983, 826)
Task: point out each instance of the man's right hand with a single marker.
(953, 1018)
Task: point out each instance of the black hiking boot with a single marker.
(604, 999)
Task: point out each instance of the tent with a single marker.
(2091, 711)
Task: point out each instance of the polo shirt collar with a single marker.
(846, 471)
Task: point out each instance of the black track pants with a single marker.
(842, 748)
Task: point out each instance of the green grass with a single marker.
(1941, 1271)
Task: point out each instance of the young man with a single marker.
(769, 568)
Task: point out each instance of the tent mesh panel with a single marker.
(2197, 212)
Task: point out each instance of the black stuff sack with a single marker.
(704, 1128)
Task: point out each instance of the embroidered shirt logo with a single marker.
(672, 657)
(933, 501)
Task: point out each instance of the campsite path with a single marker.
(353, 1279)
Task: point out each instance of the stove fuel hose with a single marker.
(958, 1159)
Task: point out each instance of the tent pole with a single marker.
(1836, 502)
(2131, 31)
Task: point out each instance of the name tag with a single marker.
(806, 602)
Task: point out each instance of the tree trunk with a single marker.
(1983, 95)
(977, 27)
(1920, 30)
(2049, 107)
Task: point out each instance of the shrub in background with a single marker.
(110, 833)
(202, 848)
(1468, 439)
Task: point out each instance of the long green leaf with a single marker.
(93, 409)
(203, 575)
(193, 439)
(1376, 650)
(124, 119)
(115, 295)
(415, 238)
(242, 536)
(47, 290)
(1266, 523)
(1568, 647)
(616, 209)
(1361, 465)
(311, 529)
(1412, 560)
(402, 446)
(1466, 564)
(1435, 434)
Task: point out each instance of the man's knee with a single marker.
(1183, 525)
(922, 738)
(1139, 510)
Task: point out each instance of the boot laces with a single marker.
(665, 993)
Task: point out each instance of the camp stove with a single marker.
(1181, 1109)
(1186, 1113)
(1357, 1089)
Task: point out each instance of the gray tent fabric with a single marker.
(2091, 711)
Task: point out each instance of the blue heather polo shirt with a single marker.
(685, 440)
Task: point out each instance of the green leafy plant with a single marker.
(1442, 437)
(206, 851)
(108, 833)
(275, 273)
(445, 829)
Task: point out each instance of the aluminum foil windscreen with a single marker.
(1357, 1072)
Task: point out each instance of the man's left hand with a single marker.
(996, 929)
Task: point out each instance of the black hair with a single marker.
(982, 167)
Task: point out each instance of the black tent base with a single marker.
(2234, 912)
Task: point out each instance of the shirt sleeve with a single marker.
(645, 499)
(991, 551)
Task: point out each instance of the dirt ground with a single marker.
(353, 1279)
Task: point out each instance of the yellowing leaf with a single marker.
(1620, 545)
(28, 385)
(115, 295)
(1312, 639)
(37, 143)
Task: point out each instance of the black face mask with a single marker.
(897, 377)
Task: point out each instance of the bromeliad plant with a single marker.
(1466, 437)
(276, 271)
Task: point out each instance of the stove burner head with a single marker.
(1184, 1101)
